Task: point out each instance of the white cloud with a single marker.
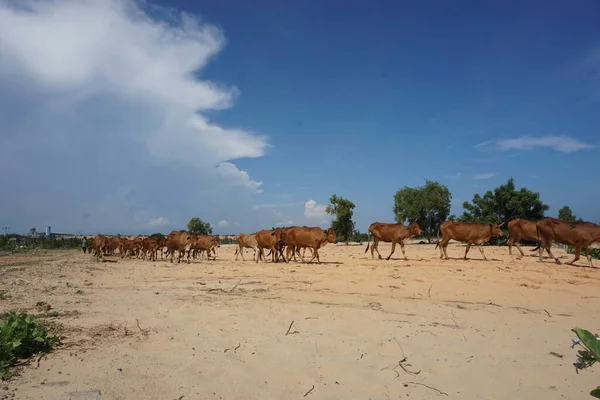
(159, 221)
(455, 176)
(312, 210)
(485, 175)
(564, 144)
(222, 223)
(107, 92)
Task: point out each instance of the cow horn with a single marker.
(500, 226)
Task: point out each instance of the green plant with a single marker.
(589, 355)
(79, 291)
(21, 336)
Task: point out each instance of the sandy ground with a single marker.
(221, 330)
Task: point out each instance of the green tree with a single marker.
(428, 205)
(342, 224)
(199, 227)
(503, 204)
(33, 231)
(566, 214)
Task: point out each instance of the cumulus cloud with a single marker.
(159, 221)
(222, 223)
(103, 115)
(312, 210)
(484, 175)
(564, 144)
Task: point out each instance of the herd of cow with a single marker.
(285, 243)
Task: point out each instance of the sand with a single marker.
(221, 329)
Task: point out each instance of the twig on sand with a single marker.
(493, 304)
(428, 387)
(429, 291)
(44, 354)
(237, 284)
(395, 277)
(144, 331)
(307, 393)
(546, 311)
(288, 331)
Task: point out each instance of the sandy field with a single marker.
(360, 328)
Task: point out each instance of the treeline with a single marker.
(18, 242)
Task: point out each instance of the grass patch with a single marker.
(21, 336)
(79, 292)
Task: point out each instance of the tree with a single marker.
(503, 204)
(428, 205)
(566, 214)
(33, 231)
(342, 224)
(197, 226)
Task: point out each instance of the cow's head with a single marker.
(415, 229)
(495, 230)
(330, 235)
(217, 241)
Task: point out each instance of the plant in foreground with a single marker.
(21, 336)
(590, 353)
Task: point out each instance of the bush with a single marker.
(21, 336)
(589, 355)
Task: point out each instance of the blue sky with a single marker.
(131, 117)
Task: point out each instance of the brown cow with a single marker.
(310, 237)
(521, 229)
(395, 233)
(245, 241)
(201, 243)
(178, 240)
(269, 239)
(470, 232)
(581, 235)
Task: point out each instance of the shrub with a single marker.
(21, 336)
(589, 355)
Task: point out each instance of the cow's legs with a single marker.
(588, 254)
(547, 247)
(393, 249)
(443, 244)
(375, 248)
(315, 254)
(467, 250)
(403, 252)
(519, 248)
(577, 253)
(481, 250)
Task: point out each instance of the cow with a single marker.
(245, 241)
(521, 229)
(473, 233)
(314, 238)
(395, 233)
(203, 243)
(98, 246)
(269, 239)
(581, 235)
(178, 240)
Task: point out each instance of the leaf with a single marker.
(596, 392)
(39, 339)
(589, 341)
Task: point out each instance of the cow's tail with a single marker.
(438, 237)
(368, 243)
(236, 250)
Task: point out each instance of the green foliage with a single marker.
(359, 237)
(199, 227)
(21, 336)
(15, 243)
(589, 355)
(566, 214)
(342, 224)
(33, 231)
(504, 204)
(428, 205)
(157, 236)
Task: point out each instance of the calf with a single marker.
(395, 233)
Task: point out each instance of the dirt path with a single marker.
(474, 329)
